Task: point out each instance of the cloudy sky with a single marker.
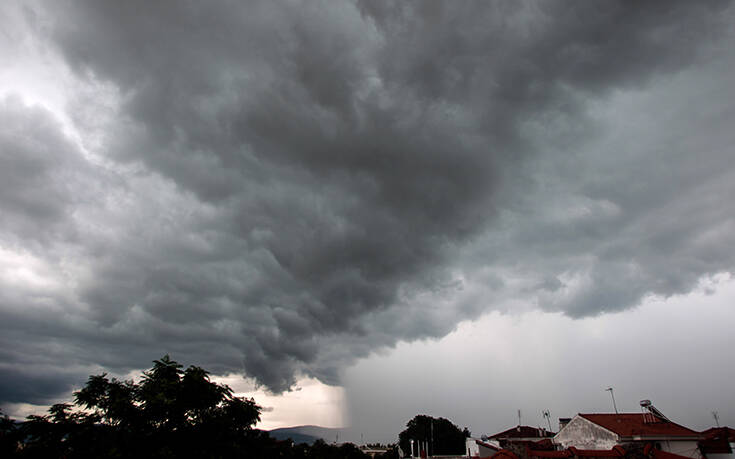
(373, 209)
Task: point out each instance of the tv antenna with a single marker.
(547, 415)
(613, 399)
(716, 415)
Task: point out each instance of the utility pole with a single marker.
(613, 399)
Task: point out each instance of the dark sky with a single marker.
(281, 189)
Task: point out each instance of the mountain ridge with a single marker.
(306, 433)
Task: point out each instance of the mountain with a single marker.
(305, 434)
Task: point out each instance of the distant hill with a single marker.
(305, 434)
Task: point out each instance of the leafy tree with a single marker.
(441, 435)
(170, 413)
(321, 450)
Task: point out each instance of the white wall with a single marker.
(584, 434)
(475, 450)
(472, 448)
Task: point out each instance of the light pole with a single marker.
(432, 438)
(613, 399)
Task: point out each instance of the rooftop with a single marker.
(717, 440)
(639, 424)
(718, 432)
(523, 432)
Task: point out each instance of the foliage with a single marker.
(321, 450)
(441, 435)
(171, 413)
(9, 436)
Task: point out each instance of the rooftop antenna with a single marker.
(716, 415)
(519, 417)
(547, 415)
(613, 399)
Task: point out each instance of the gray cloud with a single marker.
(283, 188)
(39, 172)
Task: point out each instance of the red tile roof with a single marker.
(523, 432)
(537, 453)
(504, 454)
(717, 440)
(634, 424)
(616, 451)
(713, 432)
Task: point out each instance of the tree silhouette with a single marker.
(170, 413)
(439, 434)
(9, 436)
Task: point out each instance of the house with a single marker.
(725, 431)
(604, 431)
(542, 450)
(718, 443)
(545, 450)
(521, 434)
(480, 447)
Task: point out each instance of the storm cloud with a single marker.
(281, 188)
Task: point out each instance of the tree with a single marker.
(170, 413)
(441, 435)
(9, 436)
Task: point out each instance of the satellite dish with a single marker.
(645, 403)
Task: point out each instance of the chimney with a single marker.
(563, 422)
